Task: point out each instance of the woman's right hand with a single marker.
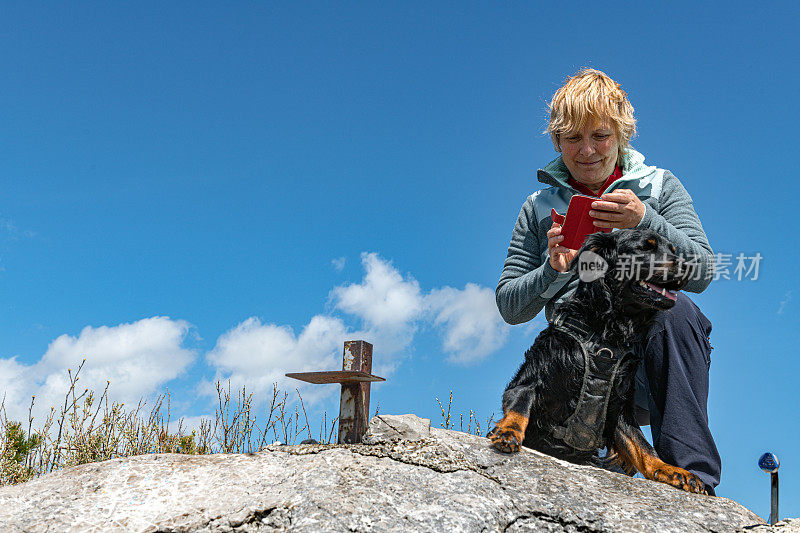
(560, 257)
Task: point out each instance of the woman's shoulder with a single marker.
(633, 163)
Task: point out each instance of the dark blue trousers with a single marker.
(672, 384)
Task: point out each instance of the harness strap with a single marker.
(573, 326)
(584, 429)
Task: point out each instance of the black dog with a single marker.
(574, 393)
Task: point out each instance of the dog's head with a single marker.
(631, 269)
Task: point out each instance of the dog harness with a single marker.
(583, 430)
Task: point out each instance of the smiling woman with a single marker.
(591, 124)
(591, 154)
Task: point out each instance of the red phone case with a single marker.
(577, 223)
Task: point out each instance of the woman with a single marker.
(591, 124)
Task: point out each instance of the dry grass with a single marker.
(473, 424)
(88, 427)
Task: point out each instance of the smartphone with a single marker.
(577, 223)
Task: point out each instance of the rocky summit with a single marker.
(405, 476)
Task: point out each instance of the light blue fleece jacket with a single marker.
(528, 282)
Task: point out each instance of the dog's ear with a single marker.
(595, 287)
(603, 244)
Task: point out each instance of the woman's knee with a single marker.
(685, 330)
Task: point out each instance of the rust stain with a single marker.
(349, 358)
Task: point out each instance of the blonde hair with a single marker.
(585, 97)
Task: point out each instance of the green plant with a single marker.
(17, 448)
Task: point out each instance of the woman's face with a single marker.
(591, 153)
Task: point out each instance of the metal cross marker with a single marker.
(355, 378)
(769, 463)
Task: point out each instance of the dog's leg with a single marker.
(634, 451)
(508, 434)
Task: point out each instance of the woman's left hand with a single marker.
(619, 209)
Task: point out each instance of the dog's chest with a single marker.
(588, 386)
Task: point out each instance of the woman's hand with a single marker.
(560, 257)
(619, 209)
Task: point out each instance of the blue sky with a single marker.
(231, 191)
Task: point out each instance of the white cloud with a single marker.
(14, 388)
(786, 299)
(468, 321)
(137, 358)
(390, 309)
(10, 230)
(187, 424)
(339, 263)
(384, 299)
(389, 306)
(257, 355)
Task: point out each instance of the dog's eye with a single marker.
(672, 248)
(650, 244)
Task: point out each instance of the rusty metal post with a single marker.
(354, 405)
(355, 377)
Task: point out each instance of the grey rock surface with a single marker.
(789, 525)
(449, 481)
(390, 428)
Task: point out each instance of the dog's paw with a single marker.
(506, 440)
(680, 478)
(508, 434)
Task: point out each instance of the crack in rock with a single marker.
(528, 520)
(424, 453)
(245, 520)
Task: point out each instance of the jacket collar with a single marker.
(556, 174)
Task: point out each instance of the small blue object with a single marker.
(769, 463)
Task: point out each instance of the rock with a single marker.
(391, 428)
(447, 481)
(789, 525)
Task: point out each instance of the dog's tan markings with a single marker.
(508, 434)
(653, 468)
